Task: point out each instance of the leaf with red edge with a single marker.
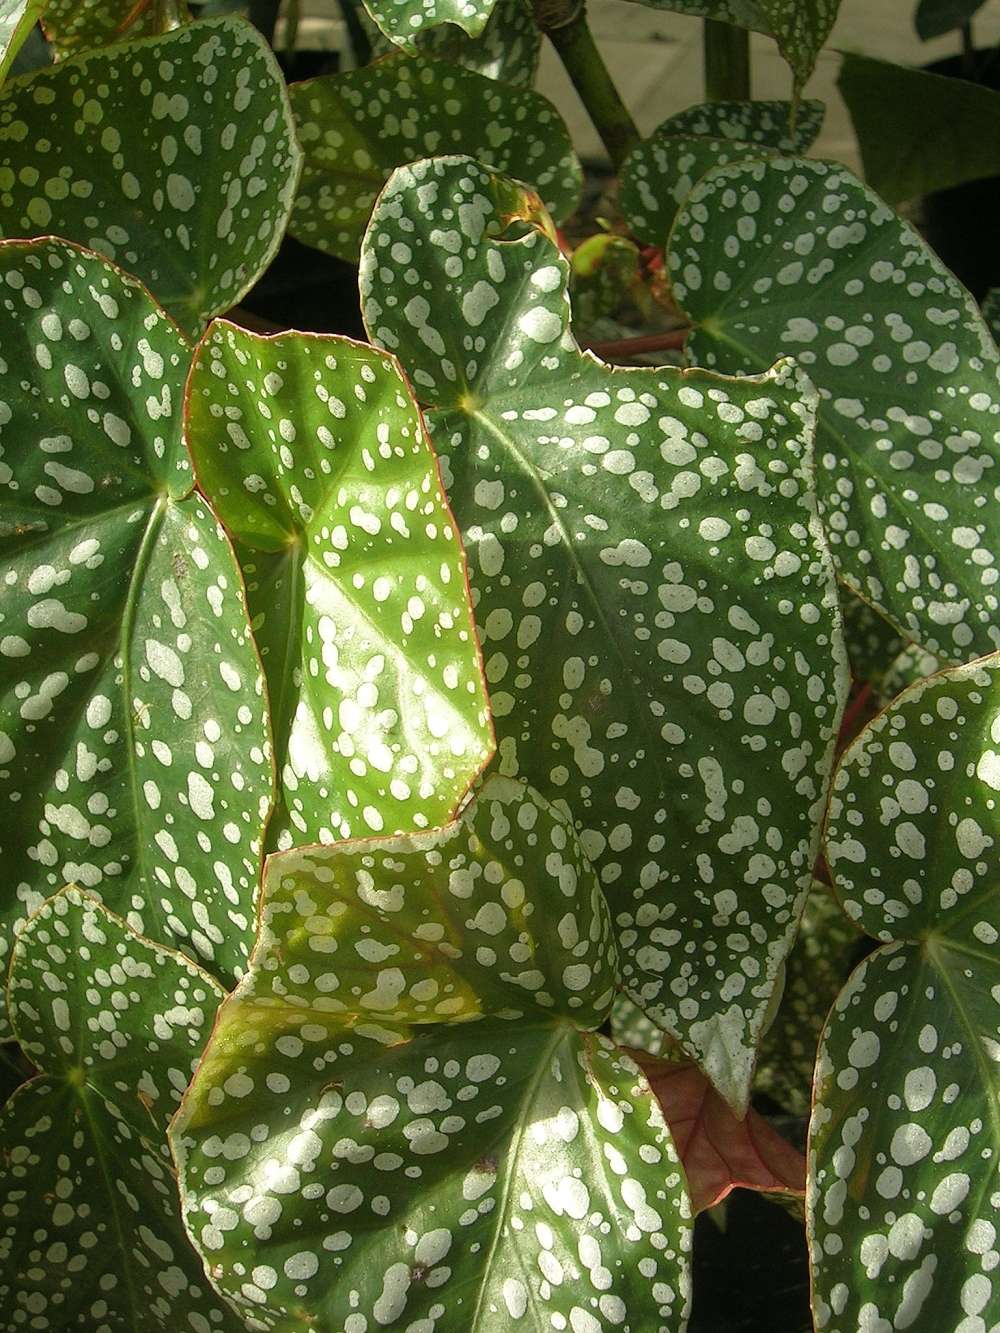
(719, 1152)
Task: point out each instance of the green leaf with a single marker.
(405, 1112)
(659, 174)
(90, 1229)
(17, 18)
(657, 612)
(872, 643)
(166, 172)
(355, 578)
(934, 18)
(905, 1133)
(605, 270)
(800, 27)
(913, 663)
(73, 26)
(814, 973)
(403, 21)
(799, 258)
(507, 48)
(133, 733)
(919, 132)
(991, 311)
(356, 128)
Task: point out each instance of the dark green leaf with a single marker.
(90, 1230)
(872, 643)
(799, 258)
(934, 18)
(312, 449)
(73, 26)
(174, 157)
(405, 1117)
(917, 131)
(403, 21)
(356, 128)
(905, 1135)
(506, 49)
(17, 18)
(133, 734)
(991, 311)
(657, 612)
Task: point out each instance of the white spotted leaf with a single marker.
(507, 48)
(405, 1113)
(182, 170)
(659, 173)
(72, 26)
(905, 1136)
(799, 27)
(403, 21)
(90, 1228)
(133, 734)
(799, 258)
(356, 128)
(313, 452)
(657, 610)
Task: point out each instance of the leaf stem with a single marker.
(564, 22)
(727, 62)
(673, 340)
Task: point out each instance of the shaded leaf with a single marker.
(799, 258)
(355, 577)
(934, 18)
(443, 1135)
(17, 18)
(657, 611)
(659, 174)
(167, 172)
(356, 128)
(90, 1229)
(991, 311)
(719, 1152)
(910, 665)
(604, 268)
(506, 49)
(919, 132)
(133, 734)
(905, 1136)
(872, 643)
(800, 27)
(73, 26)
(15, 1069)
(815, 970)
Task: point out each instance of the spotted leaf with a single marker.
(356, 128)
(507, 48)
(405, 1114)
(657, 611)
(72, 26)
(799, 27)
(659, 174)
(355, 577)
(182, 169)
(17, 18)
(815, 970)
(403, 21)
(905, 1137)
(90, 1228)
(720, 1152)
(799, 257)
(133, 735)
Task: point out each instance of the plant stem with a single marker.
(565, 24)
(727, 62)
(654, 342)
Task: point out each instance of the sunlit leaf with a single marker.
(405, 1113)
(181, 163)
(799, 258)
(659, 174)
(905, 1135)
(506, 49)
(657, 612)
(718, 1151)
(312, 449)
(133, 735)
(403, 21)
(90, 1229)
(356, 128)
